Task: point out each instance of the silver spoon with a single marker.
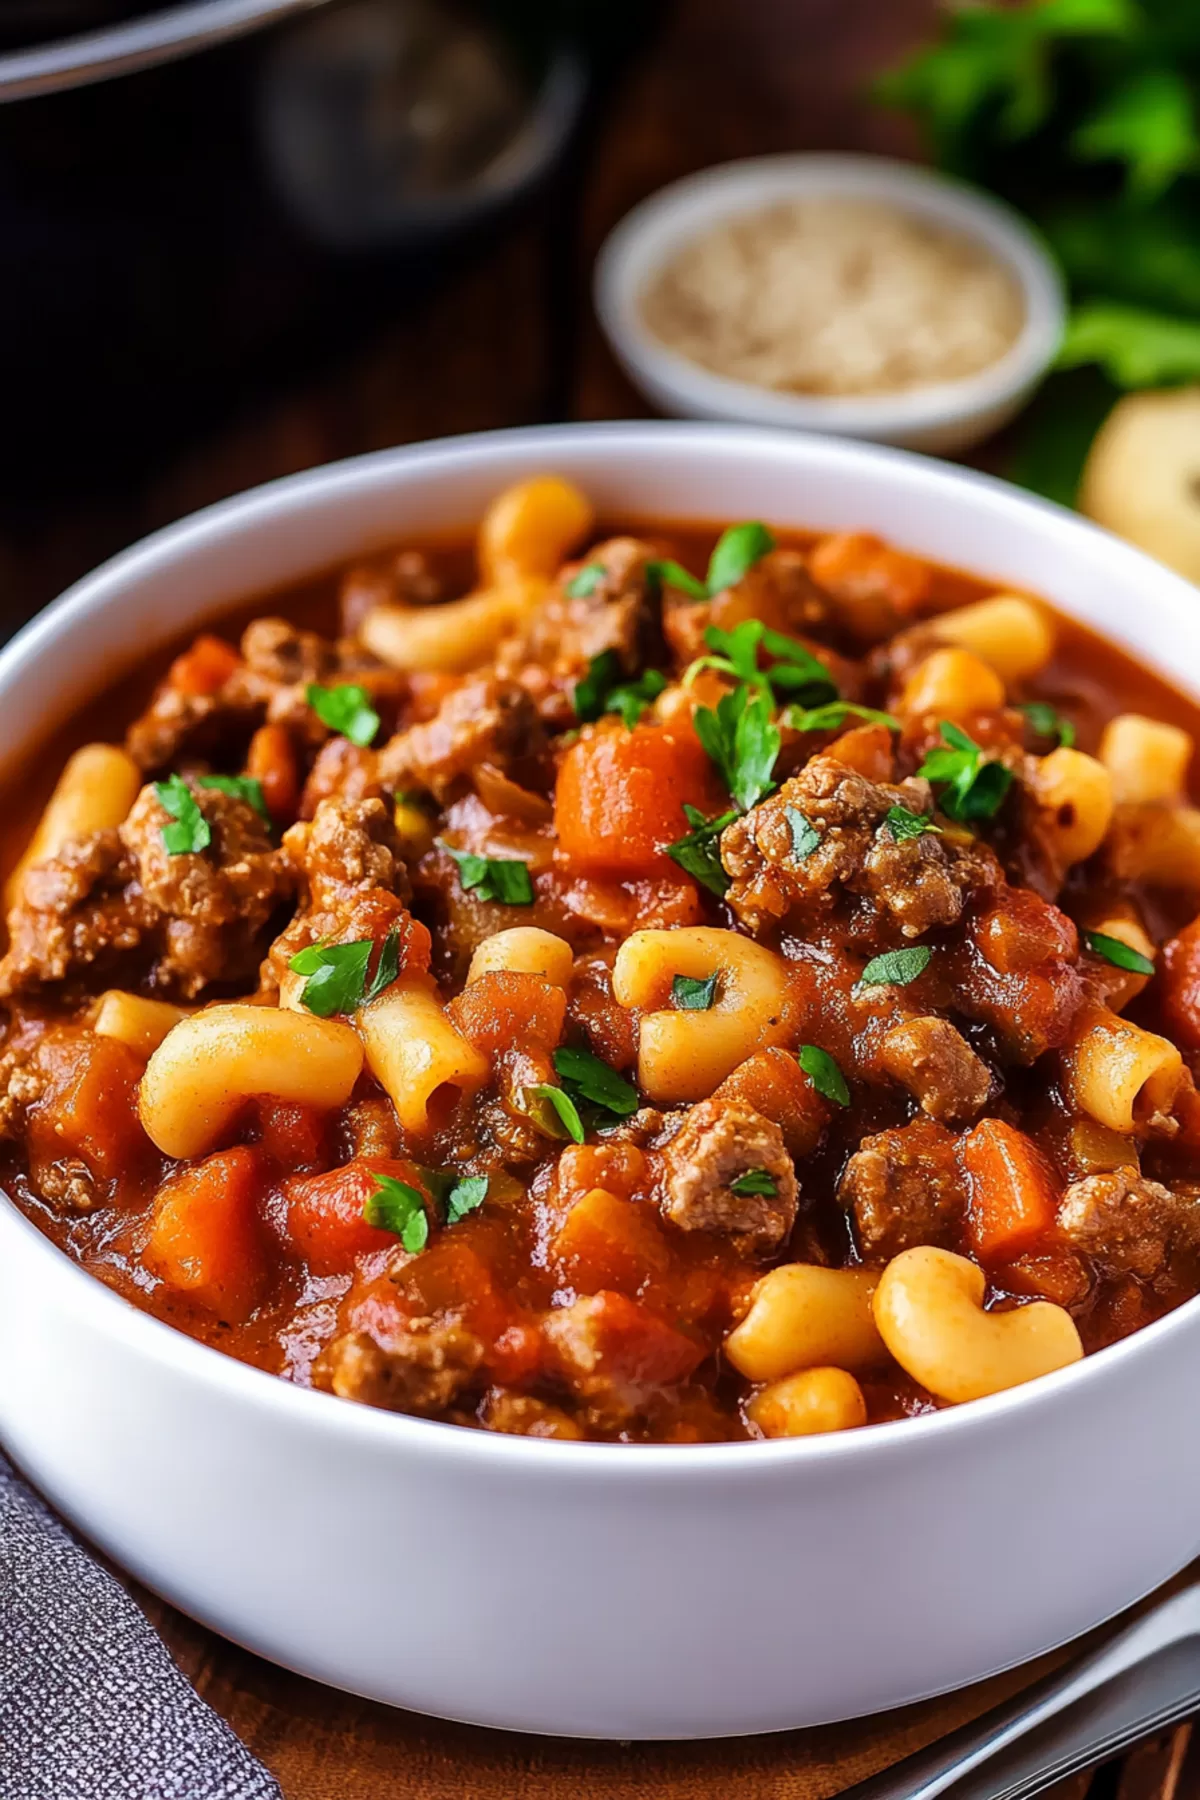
(1142, 1680)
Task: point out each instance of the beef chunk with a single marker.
(195, 918)
(567, 629)
(406, 579)
(421, 1370)
(283, 655)
(485, 720)
(177, 726)
(617, 1357)
(719, 1142)
(341, 771)
(521, 1415)
(348, 845)
(935, 1062)
(921, 882)
(777, 589)
(904, 1187)
(1127, 1224)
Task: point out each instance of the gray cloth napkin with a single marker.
(91, 1705)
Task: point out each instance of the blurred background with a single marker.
(370, 221)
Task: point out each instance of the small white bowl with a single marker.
(943, 417)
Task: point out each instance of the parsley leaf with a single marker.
(975, 788)
(736, 551)
(824, 1074)
(896, 968)
(586, 581)
(603, 690)
(665, 573)
(189, 831)
(742, 741)
(754, 1181)
(398, 1208)
(242, 787)
(345, 708)
(506, 879)
(337, 974)
(904, 824)
(735, 653)
(586, 1077)
(805, 836)
(831, 717)
(1046, 722)
(691, 994)
(1121, 955)
(553, 1112)
(698, 854)
(603, 673)
(465, 1196)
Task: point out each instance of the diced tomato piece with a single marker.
(271, 759)
(620, 796)
(1024, 932)
(89, 1107)
(1014, 1195)
(621, 1168)
(320, 1217)
(609, 1242)
(506, 1010)
(451, 1277)
(873, 581)
(868, 748)
(1181, 987)
(206, 1235)
(609, 1342)
(205, 668)
(291, 1134)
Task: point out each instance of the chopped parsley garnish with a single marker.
(736, 551)
(586, 581)
(345, 708)
(242, 787)
(742, 741)
(400, 1209)
(338, 974)
(698, 854)
(689, 993)
(904, 825)
(467, 1193)
(189, 831)
(795, 671)
(1122, 956)
(587, 1078)
(834, 716)
(1047, 722)
(824, 1074)
(754, 1181)
(554, 1112)
(896, 968)
(605, 690)
(506, 879)
(805, 836)
(974, 788)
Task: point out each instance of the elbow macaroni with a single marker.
(413, 1049)
(1147, 759)
(1010, 634)
(1074, 794)
(524, 950)
(214, 1060)
(94, 793)
(1117, 1073)
(811, 1401)
(453, 637)
(802, 1316)
(133, 1020)
(952, 683)
(685, 1055)
(529, 528)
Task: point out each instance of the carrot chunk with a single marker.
(608, 1242)
(89, 1108)
(205, 667)
(1014, 1196)
(321, 1216)
(620, 797)
(271, 759)
(206, 1238)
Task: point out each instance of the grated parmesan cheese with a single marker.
(835, 296)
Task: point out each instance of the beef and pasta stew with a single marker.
(649, 984)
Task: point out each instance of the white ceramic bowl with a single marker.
(597, 1590)
(944, 417)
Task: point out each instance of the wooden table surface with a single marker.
(512, 341)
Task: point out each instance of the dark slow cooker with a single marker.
(177, 240)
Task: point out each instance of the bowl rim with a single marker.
(640, 243)
(372, 1427)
